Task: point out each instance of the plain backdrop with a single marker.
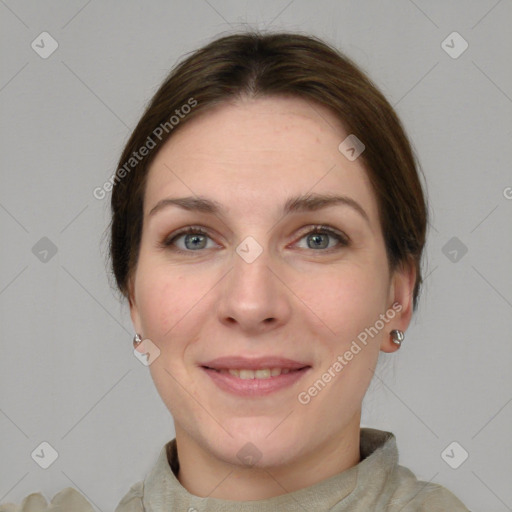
(68, 376)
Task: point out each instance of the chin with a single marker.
(259, 443)
(250, 454)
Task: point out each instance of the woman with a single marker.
(267, 229)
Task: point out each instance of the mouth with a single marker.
(247, 374)
(254, 377)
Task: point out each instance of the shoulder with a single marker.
(411, 494)
(71, 500)
(67, 499)
(132, 501)
(395, 487)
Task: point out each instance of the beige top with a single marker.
(377, 483)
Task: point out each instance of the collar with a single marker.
(379, 459)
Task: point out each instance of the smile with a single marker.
(248, 383)
(265, 373)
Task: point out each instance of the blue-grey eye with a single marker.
(190, 239)
(194, 241)
(323, 239)
(318, 241)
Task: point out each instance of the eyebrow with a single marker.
(302, 203)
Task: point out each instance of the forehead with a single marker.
(258, 150)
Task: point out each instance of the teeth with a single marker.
(265, 373)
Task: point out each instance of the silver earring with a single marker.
(136, 339)
(397, 336)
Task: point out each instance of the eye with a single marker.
(195, 238)
(321, 237)
(189, 239)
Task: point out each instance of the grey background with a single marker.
(67, 372)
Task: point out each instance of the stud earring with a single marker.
(397, 336)
(136, 340)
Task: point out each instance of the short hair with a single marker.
(255, 65)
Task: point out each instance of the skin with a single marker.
(296, 301)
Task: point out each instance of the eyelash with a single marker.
(343, 240)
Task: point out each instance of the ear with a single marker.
(134, 310)
(401, 290)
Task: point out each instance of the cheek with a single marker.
(163, 301)
(349, 302)
(162, 298)
(156, 308)
(347, 299)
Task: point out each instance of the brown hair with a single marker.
(275, 64)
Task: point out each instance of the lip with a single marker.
(254, 387)
(258, 363)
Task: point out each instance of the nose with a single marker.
(253, 298)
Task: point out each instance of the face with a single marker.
(263, 280)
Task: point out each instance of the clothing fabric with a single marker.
(377, 483)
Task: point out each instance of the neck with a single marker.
(204, 475)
